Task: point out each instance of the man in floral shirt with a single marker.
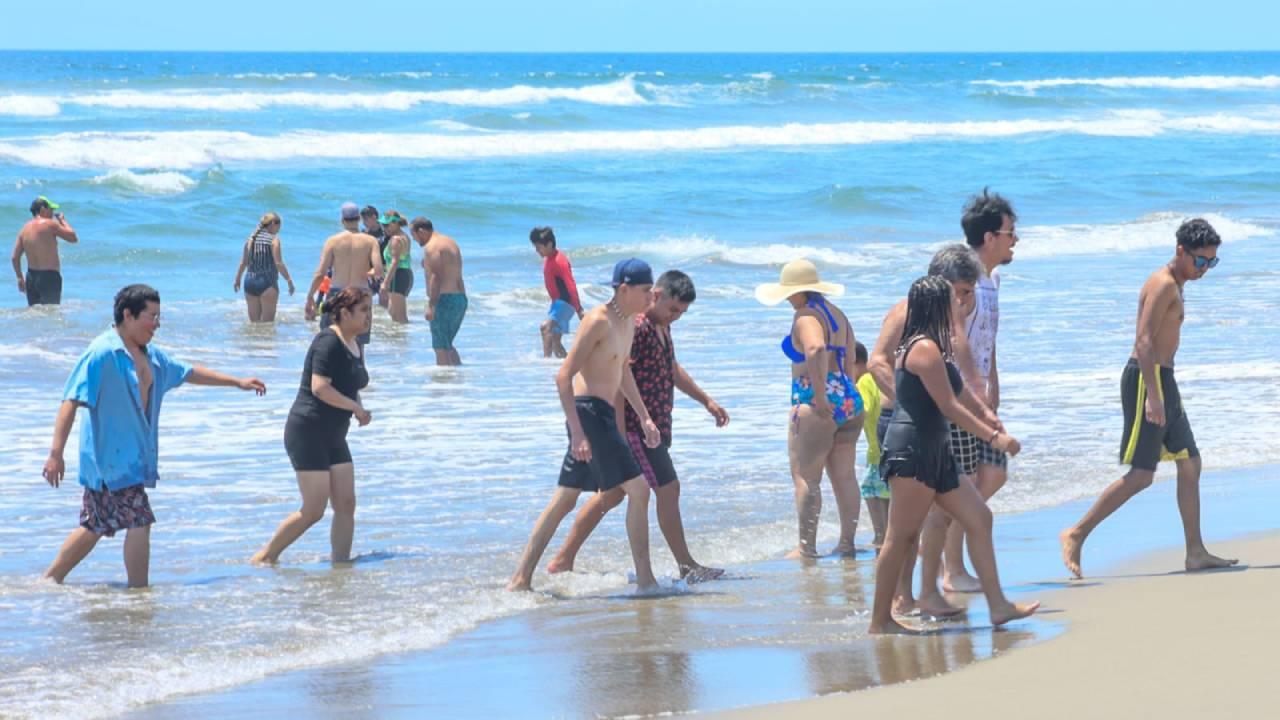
(657, 374)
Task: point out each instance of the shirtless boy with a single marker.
(599, 458)
(352, 256)
(1155, 425)
(38, 240)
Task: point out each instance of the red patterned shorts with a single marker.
(104, 512)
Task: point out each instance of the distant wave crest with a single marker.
(1151, 82)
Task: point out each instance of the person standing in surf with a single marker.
(263, 257)
(38, 240)
(558, 276)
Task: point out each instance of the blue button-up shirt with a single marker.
(119, 446)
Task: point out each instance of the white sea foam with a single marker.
(29, 105)
(1156, 82)
(187, 149)
(1154, 230)
(159, 183)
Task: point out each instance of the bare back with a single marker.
(39, 241)
(443, 263)
(352, 256)
(606, 351)
(841, 337)
(1160, 315)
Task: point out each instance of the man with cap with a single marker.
(38, 240)
(352, 256)
(599, 458)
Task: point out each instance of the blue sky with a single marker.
(656, 25)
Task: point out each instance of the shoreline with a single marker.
(797, 631)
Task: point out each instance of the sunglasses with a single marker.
(1205, 263)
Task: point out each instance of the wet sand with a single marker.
(784, 631)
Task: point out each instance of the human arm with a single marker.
(16, 258)
(398, 250)
(564, 274)
(807, 336)
(55, 467)
(244, 263)
(686, 385)
(63, 229)
(632, 393)
(590, 333)
(277, 253)
(925, 361)
(880, 363)
(322, 387)
(326, 262)
(375, 258)
(431, 264)
(213, 378)
(993, 384)
(1150, 320)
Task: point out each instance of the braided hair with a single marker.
(928, 314)
(264, 222)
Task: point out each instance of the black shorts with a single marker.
(1144, 444)
(611, 462)
(401, 281)
(257, 283)
(326, 320)
(315, 446)
(44, 287)
(654, 462)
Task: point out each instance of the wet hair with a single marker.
(346, 299)
(928, 313)
(983, 214)
(1196, 234)
(134, 298)
(369, 210)
(542, 236)
(263, 222)
(421, 223)
(677, 285)
(860, 353)
(956, 263)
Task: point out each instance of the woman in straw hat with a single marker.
(826, 412)
(916, 456)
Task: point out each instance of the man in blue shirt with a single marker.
(121, 378)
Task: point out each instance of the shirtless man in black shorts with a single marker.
(599, 458)
(38, 240)
(1155, 425)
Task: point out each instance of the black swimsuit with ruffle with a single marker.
(917, 443)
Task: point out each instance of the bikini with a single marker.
(841, 393)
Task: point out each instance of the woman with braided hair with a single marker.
(264, 261)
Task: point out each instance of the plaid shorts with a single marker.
(969, 452)
(104, 512)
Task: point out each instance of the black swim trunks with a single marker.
(611, 462)
(44, 287)
(1144, 444)
(655, 462)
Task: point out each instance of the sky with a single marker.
(655, 25)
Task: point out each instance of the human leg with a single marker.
(932, 539)
(1111, 499)
(74, 549)
(398, 307)
(637, 491)
(841, 463)
(314, 487)
(1198, 557)
(809, 443)
(561, 504)
(137, 555)
(342, 499)
(907, 510)
(672, 526)
(253, 304)
(269, 299)
(592, 512)
(971, 512)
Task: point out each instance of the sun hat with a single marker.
(797, 276)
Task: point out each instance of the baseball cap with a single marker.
(43, 202)
(632, 271)
(350, 211)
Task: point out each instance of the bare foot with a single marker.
(699, 573)
(519, 585)
(1202, 560)
(557, 565)
(905, 606)
(961, 583)
(937, 606)
(891, 627)
(260, 558)
(845, 549)
(800, 553)
(1071, 547)
(1012, 611)
(648, 588)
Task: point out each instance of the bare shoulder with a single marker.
(924, 353)
(1160, 286)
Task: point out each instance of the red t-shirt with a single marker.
(558, 276)
(653, 363)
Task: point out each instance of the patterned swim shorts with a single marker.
(872, 486)
(104, 512)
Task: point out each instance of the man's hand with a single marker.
(22, 284)
(431, 313)
(717, 412)
(1155, 410)
(291, 288)
(309, 310)
(581, 447)
(54, 468)
(652, 438)
(580, 312)
(253, 384)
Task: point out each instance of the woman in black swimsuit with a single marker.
(315, 434)
(916, 459)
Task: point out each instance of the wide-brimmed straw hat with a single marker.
(797, 276)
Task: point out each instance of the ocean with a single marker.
(724, 166)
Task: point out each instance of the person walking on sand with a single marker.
(397, 258)
(349, 259)
(264, 259)
(826, 409)
(916, 457)
(658, 375)
(446, 292)
(38, 240)
(121, 378)
(315, 435)
(558, 277)
(599, 458)
(1156, 426)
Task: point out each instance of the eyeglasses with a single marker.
(150, 317)
(1204, 263)
(1010, 233)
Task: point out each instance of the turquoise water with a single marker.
(725, 166)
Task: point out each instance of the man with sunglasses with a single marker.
(1155, 426)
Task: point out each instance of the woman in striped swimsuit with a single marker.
(262, 256)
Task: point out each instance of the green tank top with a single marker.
(386, 258)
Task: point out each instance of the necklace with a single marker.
(613, 307)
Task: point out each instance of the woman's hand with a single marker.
(364, 417)
(235, 286)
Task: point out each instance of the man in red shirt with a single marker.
(558, 276)
(657, 374)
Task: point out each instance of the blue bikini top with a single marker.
(796, 356)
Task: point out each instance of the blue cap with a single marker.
(632, 271)
(350, 211)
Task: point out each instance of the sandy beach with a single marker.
(1143, 642)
